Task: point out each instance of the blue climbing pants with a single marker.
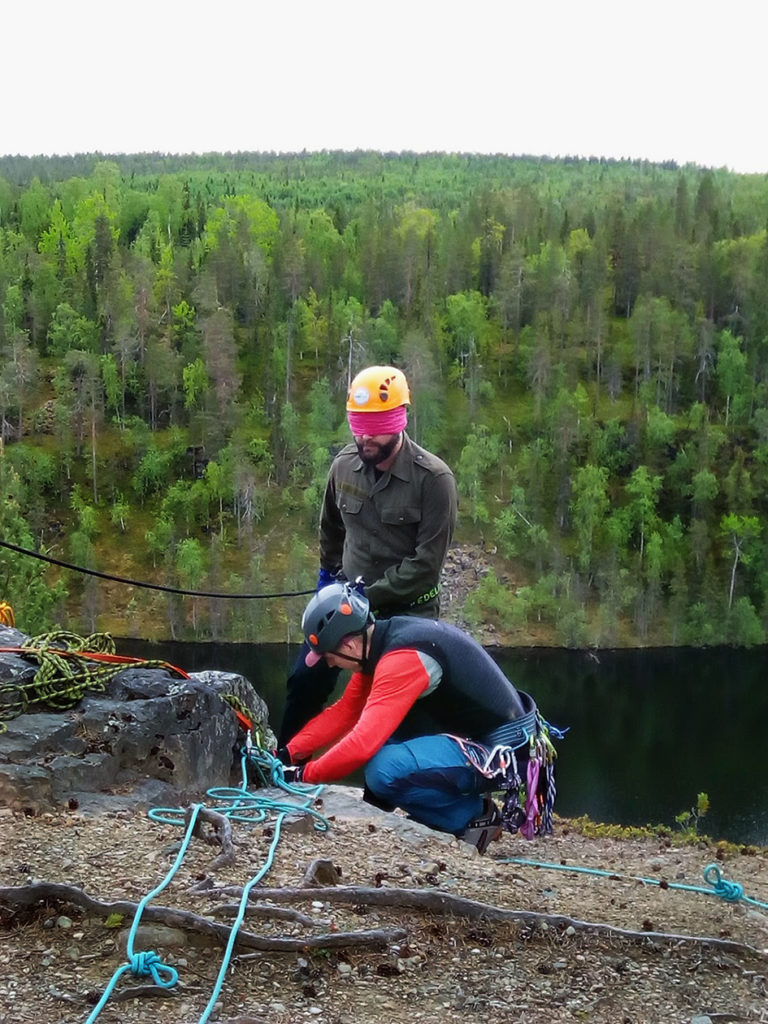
(431, 780)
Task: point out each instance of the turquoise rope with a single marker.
(239, 920)
(237, 804)
(732, 892)
(143, 964)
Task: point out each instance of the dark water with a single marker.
(648, 730)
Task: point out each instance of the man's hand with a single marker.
(291, 772)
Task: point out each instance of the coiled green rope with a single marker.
(70, 666)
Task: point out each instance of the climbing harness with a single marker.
(529, 803)
(731, 892)
(70, 666)
(236, 804)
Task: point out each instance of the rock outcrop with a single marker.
(150, 736)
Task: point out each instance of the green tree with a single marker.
(480, 453)
(119, 511)
(34, 209)
(196, 383)
(466, 321)
(153, 471)
(35, 598)
(191, 567)
(643, 490)
(518, 535)
(219, 483)
(183, 331)
(322, 418)
(741, 532)
(83, 553)
(19, 376)
(491, 603)
(731, 373)
(743, 626)
(159, 540)
(69, 330)
(163, 372)
(114, 394)
(589, 504)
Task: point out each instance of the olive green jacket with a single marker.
(394, 531)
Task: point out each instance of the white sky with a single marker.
(679, 79)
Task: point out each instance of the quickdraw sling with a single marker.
(528, 806)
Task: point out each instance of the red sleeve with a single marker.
(334, 722)
(399, 679)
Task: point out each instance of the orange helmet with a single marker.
(378, 389)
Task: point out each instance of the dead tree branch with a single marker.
(17, 897)
(435, 901)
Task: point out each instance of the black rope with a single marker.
(149, 586)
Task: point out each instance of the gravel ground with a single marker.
(57, 959)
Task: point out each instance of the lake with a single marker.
(647, 729)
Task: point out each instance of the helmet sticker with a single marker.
(361, 396)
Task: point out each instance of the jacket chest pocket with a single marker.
(350, 506)
(401, 515)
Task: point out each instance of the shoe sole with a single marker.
(482, 836)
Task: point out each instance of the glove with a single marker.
(324, 578)
(292, 773)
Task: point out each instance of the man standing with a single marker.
(430, 717)
(388, 517)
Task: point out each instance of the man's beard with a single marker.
(381, 452)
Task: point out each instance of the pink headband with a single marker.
(393, 421)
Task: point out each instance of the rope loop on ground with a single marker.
(149, 964)
(732, 892)
(722, 887)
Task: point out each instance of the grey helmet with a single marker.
(335, 611)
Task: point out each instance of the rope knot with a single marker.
(150, 964)
(723, 887)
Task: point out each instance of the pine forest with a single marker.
(586, 343)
